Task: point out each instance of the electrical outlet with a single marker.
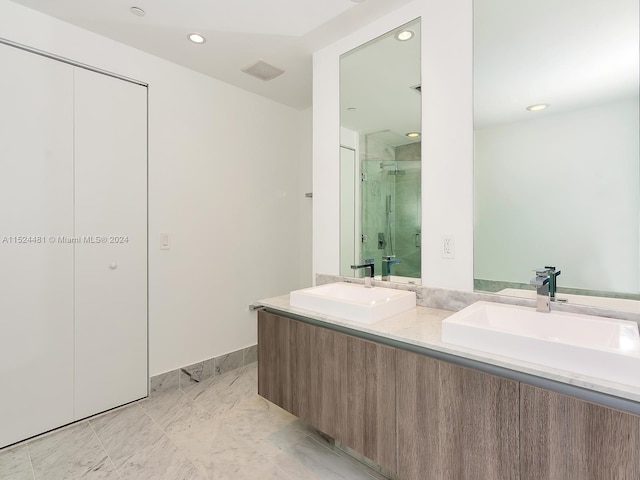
(448, 246)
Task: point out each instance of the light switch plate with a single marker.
(164, 241)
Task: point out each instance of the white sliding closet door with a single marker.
(36, 269)
(111, 277)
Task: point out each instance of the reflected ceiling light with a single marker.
(413, 134)
(404, 35)
(137, 11)
(196, 38)
(351, 109)
(537, 107)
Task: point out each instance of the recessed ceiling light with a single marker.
(358, 1)
(413, 134)
(537, 107)
(404, 35)
(137, 11)
(196, 38)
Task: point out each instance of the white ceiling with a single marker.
(283, 33)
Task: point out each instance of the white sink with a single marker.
(622, 304)
(353, 301)
(594, 346)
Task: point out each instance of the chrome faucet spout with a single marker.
(542, 283)
(553, 282)
(368, 263)
(386, 266)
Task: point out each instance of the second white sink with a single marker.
(353, 301)
(594, 346)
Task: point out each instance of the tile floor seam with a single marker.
(272, 462)
(178, 449)
(95, 434)
(229, 414)
(130, 454)
(198, 405)
(359, 465)
(33, 470)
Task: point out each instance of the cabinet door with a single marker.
(455, 423)
(328, 382)
(111, 276)
(569, 439)
(370, 426)
(274, 363)
(303, 405)
(418, 401)
(36, 280)
(351, 394)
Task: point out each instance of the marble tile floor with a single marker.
(214, 430)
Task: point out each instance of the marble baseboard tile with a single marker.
(250, 355)
(164, 381)
(230, 361)
(197, 372)
(202, 371)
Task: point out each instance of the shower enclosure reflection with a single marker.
(391, 206)
(380, 173)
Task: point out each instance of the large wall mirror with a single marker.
(380, 171)
(556, 120)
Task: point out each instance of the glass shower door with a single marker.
(391, 214)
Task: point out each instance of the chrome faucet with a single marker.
(368, 263)
(553, 283)
(387, 261)
(541, 282)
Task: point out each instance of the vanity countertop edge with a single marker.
(420, 330)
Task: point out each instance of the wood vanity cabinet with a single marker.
(566, 438)
(426, 419)
(454, 422)
(339, 384)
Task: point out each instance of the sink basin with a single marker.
(594, 346)
(622, 304)
(354, 302)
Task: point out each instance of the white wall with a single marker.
(227, 170)
(537, 180)
(447, 139)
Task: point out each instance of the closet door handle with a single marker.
(417, 240)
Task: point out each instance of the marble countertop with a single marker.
(422, 327)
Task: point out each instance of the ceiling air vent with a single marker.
(417, 88)
(263, 71)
